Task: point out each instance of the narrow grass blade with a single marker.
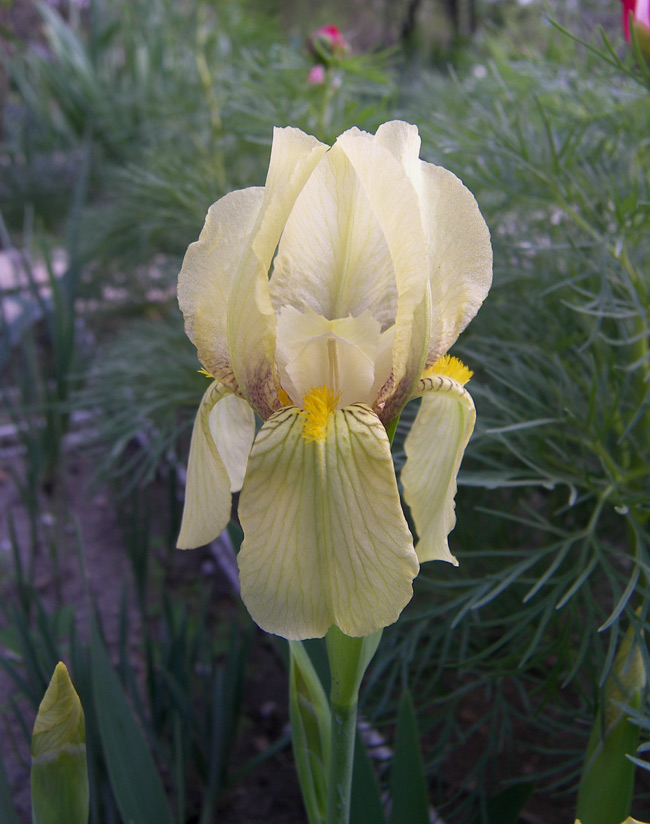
(365, 805)
(410, 803)
(134, 779)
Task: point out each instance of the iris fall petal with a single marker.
(207, 493)
(325, 540)
(232, 426)
(434, 449)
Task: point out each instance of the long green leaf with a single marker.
(135, 781)
(410, 803)
(365, 805)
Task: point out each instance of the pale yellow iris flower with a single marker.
(628, 820)
(323, 302)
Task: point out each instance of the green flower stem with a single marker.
(325, 112)
(344, 725)
(349, 659)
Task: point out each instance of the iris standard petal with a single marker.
(251, 319)
(396, 205)
(458, 240)
(209, 270)
(434, 449)
(460, 255)
(403, 141)
(325, 541)
(333, 257)
(207, 493)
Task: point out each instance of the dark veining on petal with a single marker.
(392, 399)
(263, 395)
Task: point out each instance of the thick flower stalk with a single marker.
(324, 302)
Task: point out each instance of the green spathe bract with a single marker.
(310, 731)
(607, 781)
(59, 775)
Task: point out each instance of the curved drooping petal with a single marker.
(325, 538)
(221, 442)
(333, 257)
(396, 204)
(434, 449)
(232, 426)
(206, 279)
(251, 318)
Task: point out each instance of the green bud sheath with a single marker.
(607, 782)
(59, 770)
(310, 731)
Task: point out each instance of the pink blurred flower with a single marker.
(316, 74)
(327, 44)
(331, 33)
(640, 11)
